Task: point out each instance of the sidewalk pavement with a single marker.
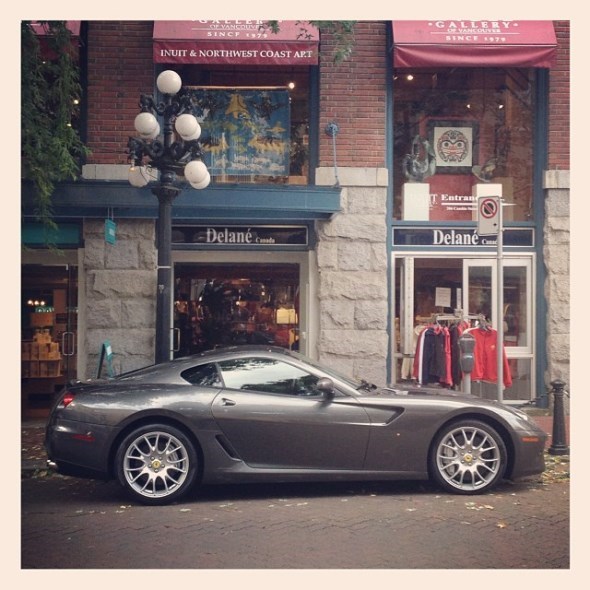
(34, 458)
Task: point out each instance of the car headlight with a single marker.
(521, 414)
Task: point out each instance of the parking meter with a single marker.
(467, 359)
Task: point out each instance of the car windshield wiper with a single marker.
(366, 386)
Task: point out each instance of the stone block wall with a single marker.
(352, 247)
(352, 275)
(556, 254)
(120, 294)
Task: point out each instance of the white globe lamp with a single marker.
(195, 172)
(169, 82)
(203, 184)
(153, 134)
(138, 176)
(146, 124)
(188, 127)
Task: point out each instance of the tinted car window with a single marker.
(268, 375)
(203, 375)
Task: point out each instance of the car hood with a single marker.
(432, 393)
(454, 400)
(416, 392)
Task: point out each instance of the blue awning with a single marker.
(101, 199)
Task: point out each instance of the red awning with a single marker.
(46, 50)
(469, 43)
(72, 25)
(240, 42)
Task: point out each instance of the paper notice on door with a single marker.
(442, 297)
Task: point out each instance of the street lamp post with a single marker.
(174, 153)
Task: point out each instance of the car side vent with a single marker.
(226, 446)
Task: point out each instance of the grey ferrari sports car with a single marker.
(262, 414)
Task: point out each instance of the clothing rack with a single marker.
(457, 317)
(437, 352)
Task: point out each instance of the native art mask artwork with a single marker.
(452, 147)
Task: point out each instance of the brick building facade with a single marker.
(350, 278)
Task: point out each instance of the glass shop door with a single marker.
(516, 313)
(427, 287)
(49, 324)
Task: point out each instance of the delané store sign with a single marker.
(237, 236)
(460, 237)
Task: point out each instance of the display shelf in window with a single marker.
(40, 359)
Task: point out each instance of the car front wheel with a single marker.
(468, 457)
(156, 464)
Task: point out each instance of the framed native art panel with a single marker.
(455, 144)
(245, 131)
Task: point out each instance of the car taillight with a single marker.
(67, 399)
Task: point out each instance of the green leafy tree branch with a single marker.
(51, 148)
(342, 30)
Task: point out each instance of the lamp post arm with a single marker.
(138, 148)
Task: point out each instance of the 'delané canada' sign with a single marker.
(234, 235)
(459, 237)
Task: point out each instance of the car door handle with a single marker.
(227, 402)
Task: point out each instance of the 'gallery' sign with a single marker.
(235, 42)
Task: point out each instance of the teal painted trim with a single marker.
(541, 138)
(36, 234)
(314, 122)
(99, 199)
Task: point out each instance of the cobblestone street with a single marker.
(90, 524)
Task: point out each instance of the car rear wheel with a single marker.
(156, 464)
(468, 457)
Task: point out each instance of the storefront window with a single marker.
(445, 293)
(254, 120)
(221, 305)
(457, 127)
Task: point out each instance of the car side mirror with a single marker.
(325, 386)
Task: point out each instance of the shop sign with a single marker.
(459, 237)
(110, 231)
(233, 235)
(235, 42)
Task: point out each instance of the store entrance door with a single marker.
(221, 304)
(431, 287)
(49, 320)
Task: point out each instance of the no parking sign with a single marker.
(488, 215)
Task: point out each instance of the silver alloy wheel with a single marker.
(468, 458)
(156, 464)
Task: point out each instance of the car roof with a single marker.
(237, 350)
(214, 355)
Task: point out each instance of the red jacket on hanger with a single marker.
(485, 360)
